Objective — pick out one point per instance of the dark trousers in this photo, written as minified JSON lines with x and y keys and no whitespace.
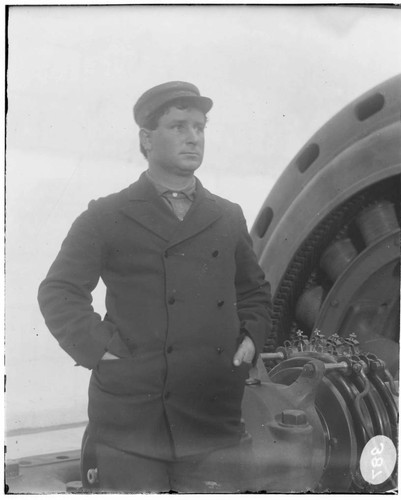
{"x":221,"y":471}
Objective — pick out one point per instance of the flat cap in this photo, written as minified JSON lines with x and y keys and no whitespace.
{"x":162,"y":94}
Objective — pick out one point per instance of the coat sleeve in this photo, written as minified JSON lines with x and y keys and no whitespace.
{"x":65,"y":297}
{"x":253,"y":292}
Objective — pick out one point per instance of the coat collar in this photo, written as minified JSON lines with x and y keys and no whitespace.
{"x":147,"y":208}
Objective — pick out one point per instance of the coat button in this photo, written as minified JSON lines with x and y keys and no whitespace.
{"x":169,"y":349}
{"x":215,"y":253}
{"x":220,"y":303}
{"x":171,"y":300}
{"x":219,"y":350}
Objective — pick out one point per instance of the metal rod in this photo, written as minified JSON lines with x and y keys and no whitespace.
{"x":343,"y":365}
{"x":272,"y":355}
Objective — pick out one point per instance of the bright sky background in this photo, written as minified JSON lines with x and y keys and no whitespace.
{"x":276,"y":75}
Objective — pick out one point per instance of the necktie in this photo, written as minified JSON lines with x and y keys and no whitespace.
{"x":179,"y":202}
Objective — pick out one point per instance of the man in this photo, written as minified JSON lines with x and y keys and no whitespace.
{"x":187,"y":312}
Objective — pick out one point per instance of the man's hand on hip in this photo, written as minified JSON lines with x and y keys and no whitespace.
{"x":245,"y":353}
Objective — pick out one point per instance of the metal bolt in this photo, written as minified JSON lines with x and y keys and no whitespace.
{"x":309,"y":370}
{"x":293,"y":417}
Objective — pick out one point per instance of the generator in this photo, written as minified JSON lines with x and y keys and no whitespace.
{"x":324,"y":414}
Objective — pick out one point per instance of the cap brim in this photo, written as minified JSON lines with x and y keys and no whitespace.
{"x":205,"y":104}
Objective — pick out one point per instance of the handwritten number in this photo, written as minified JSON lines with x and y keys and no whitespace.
{"x":376,"y":451}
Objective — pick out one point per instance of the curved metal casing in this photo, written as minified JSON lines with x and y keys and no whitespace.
{"x":358,"y":147}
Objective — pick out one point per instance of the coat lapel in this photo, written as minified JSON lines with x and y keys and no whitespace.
{"x":202,"y":214}
{"x":145,"y":206}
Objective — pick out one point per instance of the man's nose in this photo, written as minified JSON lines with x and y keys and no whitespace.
{"x":192,"y":135}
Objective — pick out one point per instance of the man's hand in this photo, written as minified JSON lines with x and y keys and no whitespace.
{"x":245,"y":353}
{"x":108,"y":355}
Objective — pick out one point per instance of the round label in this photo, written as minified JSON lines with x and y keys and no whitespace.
{"x":378,"y":459}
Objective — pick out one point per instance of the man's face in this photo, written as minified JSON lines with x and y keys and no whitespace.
{"x":177,"y":144}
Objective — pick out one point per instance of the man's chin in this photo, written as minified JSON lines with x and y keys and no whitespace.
{"x":190,"y":167}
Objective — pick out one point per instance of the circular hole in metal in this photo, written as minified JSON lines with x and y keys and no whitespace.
{"x":369,"y":107}
{"x":307,"y":157}
{"x":263,"y":221}
{"x":62,"y":457}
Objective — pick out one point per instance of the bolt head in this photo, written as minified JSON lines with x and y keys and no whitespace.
{"x":293,"y":417}
{"x":309,"y":370}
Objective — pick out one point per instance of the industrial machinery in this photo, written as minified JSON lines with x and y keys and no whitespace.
{"x":327,"y":235}
{"x":322,"y":404}
{"x":320,"y":417}
{"x":328,"y":239}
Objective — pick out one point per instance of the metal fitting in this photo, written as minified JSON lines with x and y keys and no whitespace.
{"x":272,"y":355}
{"x":357,"y":367}
{"x":335,"y":366}
{"x":293,"y":417}
{"x":309,"y":370}
{"x":92,"y":476}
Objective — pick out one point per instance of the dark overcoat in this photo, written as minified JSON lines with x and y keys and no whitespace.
{"x":180,"y":297}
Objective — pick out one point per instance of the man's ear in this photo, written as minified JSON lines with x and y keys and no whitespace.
{"x":145,"y":139}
